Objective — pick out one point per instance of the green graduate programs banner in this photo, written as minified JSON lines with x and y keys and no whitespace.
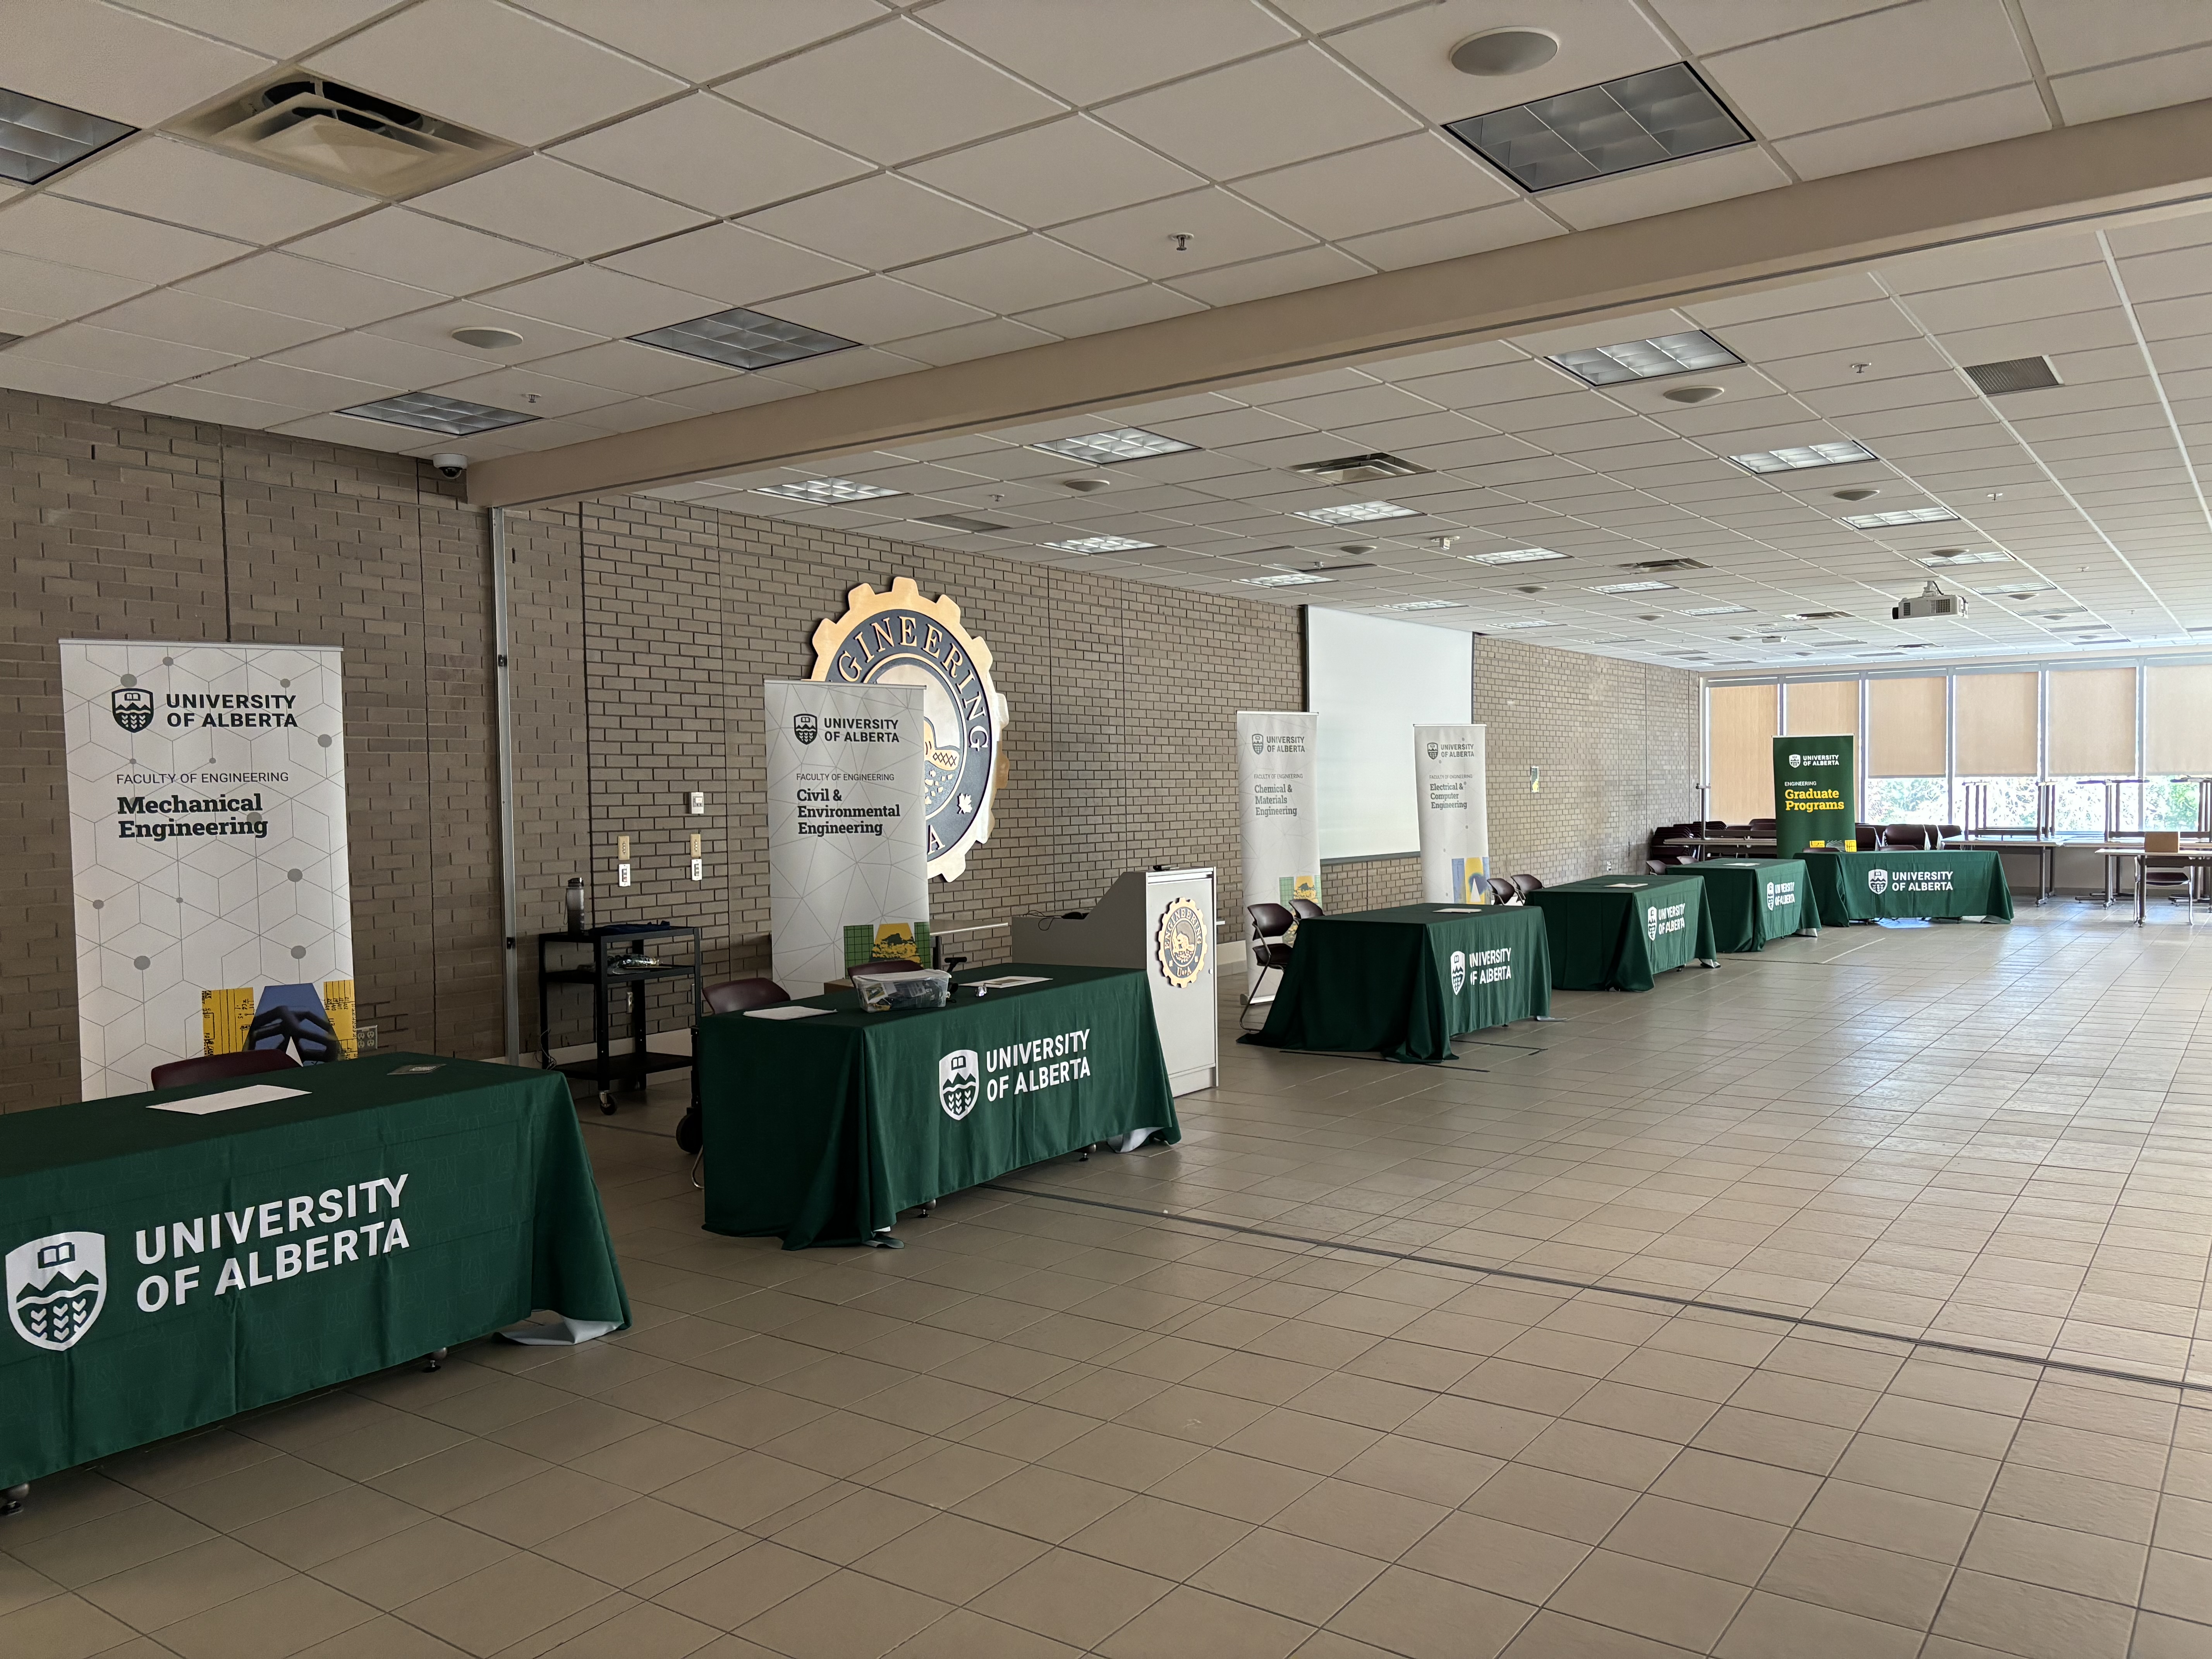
{"x":1815,"y":797}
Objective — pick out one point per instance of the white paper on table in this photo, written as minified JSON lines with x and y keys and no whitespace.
{"x":1461,"y":910}
{"x":254,"y":1094}
{"x":1008,"y":981}
{"x":1637,"y":885}
{"x":787,"y":1011}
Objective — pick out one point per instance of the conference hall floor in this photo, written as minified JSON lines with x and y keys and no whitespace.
{"x":1839,"y":1303}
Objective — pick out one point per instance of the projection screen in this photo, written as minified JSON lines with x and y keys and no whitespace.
{"x":1371,"y":680}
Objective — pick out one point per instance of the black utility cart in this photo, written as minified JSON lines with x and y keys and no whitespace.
{"x":609,"y":948}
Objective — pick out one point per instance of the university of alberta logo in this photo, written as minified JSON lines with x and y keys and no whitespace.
{"x":899,"y":638}
{"x":959,"y":1084}
{"x":1458,"y":971}
{"x":804,"y":728}
{"x":132,"y":706}
{"x":1259,"y":743}
{"x":1650,"y":922}
{"x":1877,"y":880}
{"x":1180,"y":943}
{"x":1796,"y":760}
{"x":55,"y":1288}
{"x":1432,"y":751}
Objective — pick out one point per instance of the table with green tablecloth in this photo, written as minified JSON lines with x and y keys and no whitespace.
{"x":1755,"y":900}
{"x":1877,"y":886}
{"x":1402,"y":981}
{"x":821,"y":1129}
{"x":1618,"y":930}
{"x":166,"y":1270}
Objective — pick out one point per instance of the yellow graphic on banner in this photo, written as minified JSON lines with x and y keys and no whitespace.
{"x":1301,"y":887}
{"x":227,"y":1015}
{"x":338,"y":1003}
{"x":224,"y":1017}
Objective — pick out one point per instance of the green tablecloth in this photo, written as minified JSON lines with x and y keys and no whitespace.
{"x":364,"y":1224}
{"x":1620,"y":930}
{"x":1873,"y":886}
{"x":1402,"y":981}
{"x":1754,"y":899}
{"x":822,"y":1129}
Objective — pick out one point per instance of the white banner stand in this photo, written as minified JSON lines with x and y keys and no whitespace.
{"x":1276,"y":798}
{"x":1452,"y":803}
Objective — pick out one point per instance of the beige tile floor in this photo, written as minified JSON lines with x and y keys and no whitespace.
{"x":1838,"y":1303}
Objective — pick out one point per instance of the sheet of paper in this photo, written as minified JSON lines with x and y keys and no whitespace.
{"x":412,"y":1071}
{"x":787,"y":1011}
{"x":1637,"y":885}
{"x":1008,"y":981}
{"x":1460,"y":910}
{"x":254,"y":1094}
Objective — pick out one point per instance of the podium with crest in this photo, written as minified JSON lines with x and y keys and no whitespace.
{"x":1162,"y":922}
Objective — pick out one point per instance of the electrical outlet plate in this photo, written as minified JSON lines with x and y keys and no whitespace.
{"x":622,"y":874}
{"x":698,"y":803}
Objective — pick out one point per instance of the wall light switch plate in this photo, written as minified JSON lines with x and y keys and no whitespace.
{"x":622,"y":873}
{"x":698,"y":802}
{"x":696,"y":847}
{"x":622,"y":849}
{"x":698,"y":869}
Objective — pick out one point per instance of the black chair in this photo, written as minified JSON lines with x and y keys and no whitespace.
{"x":1270,"y":922}
{"x":1502,"y":891}
{"x":1868,"y":835}
{"x":1307,"y":909}
{"x":1950,"y":833}
{"x":214,"y":1068}
{"x":732,"y":996}
{"x":1527,"y":885}
{"x":1915,"y":835}
{"x":1656,"y":867}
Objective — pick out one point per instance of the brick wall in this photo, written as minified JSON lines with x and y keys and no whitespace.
{"x":641,"y":631}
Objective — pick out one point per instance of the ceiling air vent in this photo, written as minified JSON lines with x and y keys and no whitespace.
{"x":2013,"y":374}
{"x":1358,"y":468}
{"x":320,"y":130}
{"x":1669,"y":564}
{"x":1819,"y":615}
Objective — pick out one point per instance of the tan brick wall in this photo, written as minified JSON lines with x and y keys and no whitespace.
{"x":641,"y":633}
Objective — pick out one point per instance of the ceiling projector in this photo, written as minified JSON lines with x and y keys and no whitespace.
{"x":1931,"y":601}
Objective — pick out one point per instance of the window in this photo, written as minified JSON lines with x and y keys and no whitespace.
{"x":2091,"y":747}
{"x":1907,"y":768}
{"x":1997,"y":725}
{"x":1741,"y":726}
{"x":2177,"y":743}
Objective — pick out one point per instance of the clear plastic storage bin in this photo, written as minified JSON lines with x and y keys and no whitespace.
{"x":924,"y":987}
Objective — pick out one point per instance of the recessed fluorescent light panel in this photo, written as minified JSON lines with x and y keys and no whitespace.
{"x":1100,"y":544}
{"x":1804,"y":455}
{"x":1637,"y":121}
{"x":1903,"y":515}
{"x":1719,"y":611}
{"x":1646,"y":359}
{"x":1427,"y":604}
{"x":39,"y":139}
{"x":1512,"y":555}
{"x":1126,"y":443}
{"x":739,"y":339}
{"x":1357,"y":512}
{"x":828,"y":491}
{"x":1288,"y":579}
{"x":1986,"y":557}
{"x":1632,"y":588}
{"x":1528,"y":624}
{"x":960,"y":521}
{"x":2017,"y":590}
{"x":427,"y":411}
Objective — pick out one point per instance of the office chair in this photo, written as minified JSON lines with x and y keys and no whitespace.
{"x":1269,"y":923}
{"x":213,"y":1068}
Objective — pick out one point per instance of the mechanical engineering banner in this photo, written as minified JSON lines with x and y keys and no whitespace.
{"x":848,"y":819}
{"x":1454,"y":808}
{"x":1815,"y":797}
{"x":208,"y":835}
{"x":1276,"y":791}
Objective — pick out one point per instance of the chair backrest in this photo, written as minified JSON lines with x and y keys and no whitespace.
{"x":1656,"y":867}
{"x":1715,"y":826}
{"x":2166,"y":871}
{"x":1868,"y":835}
{"x":213,"y":1068}
{"x":1502,"y":891}
{"x":1761,"y":826}
{"x":1950,"y":832}
{"x":1270,"y":920}
{"x":1905,"y":835}
{"x":2161,"y":841}
{"x":1527,"y":885}
{"x":734,"y":996}
{"x":1307,"y":909}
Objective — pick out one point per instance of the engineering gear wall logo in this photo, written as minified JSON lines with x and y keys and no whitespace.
{"x":899,"y":638}
{"x":57,"y":1286}
{"x":1180,"y":943}
{"x":959,"y":1085}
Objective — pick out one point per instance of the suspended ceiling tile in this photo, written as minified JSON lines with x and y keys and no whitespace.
{"x":302,"y":288}
{"x":76,"y":233}
{"x":1021,"y":274}
{"x":1124,"y":308}
{"x":91,"y":386}
{"x":2022,"y":299}
{"x":413,"y":247}
{"x":192,"y":403}
{"x":2175,"y":77}
{"x":297,"y":388}
{"x":1087,"y":53}
{"x":971,"y":340}
{"x":891,"y":93}
{"x":1410,"y":53}
{"x":1461,"y":233}
{"x":1921,"y":53}
{"x":551,"y":204}
{"x":171,"y":313}
{"x":526,"y":392}
{"x":2070,"y":37}
{"x":161,"y":177}
{"x":1283,"y":273}
{"x":625,"y":365}
{"x":372,"y":357}
{"x":1665,"y":188}
{"x":600,"y":300}
{"x":114,"y":63}
{"x":1398,"y":182}
{"x":732,"y":263}
{"x":880,"y":222}
{"x":134,"y":356}
{"x":493,"y":68}
{"x":1222,"y":229}
{"x":1961,"y":124}
{"x":1265,"y":112}
{"x":848,"y":368}
{"x":705,"y":41}
{"x":41,"y":288}
{"x":1065,"y":169}
{"x":1716,"y":25}
{"x":708,"y":153}
{"x":873,"y":309}
{"x":434,"y":328}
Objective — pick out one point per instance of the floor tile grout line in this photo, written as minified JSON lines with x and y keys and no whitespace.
{"x":1700,"y":1304}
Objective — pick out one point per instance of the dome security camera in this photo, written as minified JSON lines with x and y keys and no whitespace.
{"x":450,"y":466}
